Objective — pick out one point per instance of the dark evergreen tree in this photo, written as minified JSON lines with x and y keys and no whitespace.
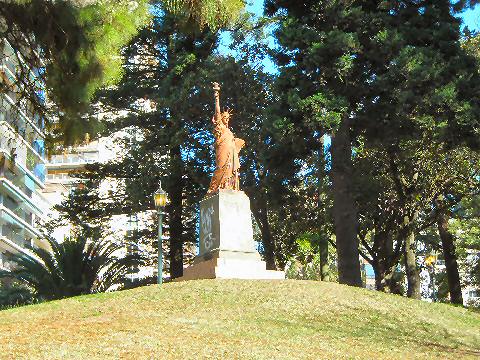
{"x":166,"y":101}
{"x":164,"y":121}
{"x":171,"y":139}
{"x":384,"y":70}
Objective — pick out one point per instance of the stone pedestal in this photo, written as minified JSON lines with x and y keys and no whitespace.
{"x":226,"y":246}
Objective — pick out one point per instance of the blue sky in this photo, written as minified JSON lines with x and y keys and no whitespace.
{"x":471,"y":18}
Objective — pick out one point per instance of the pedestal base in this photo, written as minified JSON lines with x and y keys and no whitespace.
{"x":226,"y":246}
{"x":230,"y":266}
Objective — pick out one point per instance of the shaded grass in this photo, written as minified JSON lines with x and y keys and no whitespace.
{"x":231,"y":319}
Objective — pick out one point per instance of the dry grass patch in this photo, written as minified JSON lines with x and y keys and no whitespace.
{"x":235,"y":319}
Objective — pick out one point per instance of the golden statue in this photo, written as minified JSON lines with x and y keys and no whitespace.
{"x":227,"y":148}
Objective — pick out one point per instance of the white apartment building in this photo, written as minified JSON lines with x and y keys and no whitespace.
{"x":22,"y":163}
{"x":61,"y":180}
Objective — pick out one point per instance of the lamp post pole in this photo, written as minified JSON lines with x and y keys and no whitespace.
{"x":160,"y":199}
{"x":160,"y":247}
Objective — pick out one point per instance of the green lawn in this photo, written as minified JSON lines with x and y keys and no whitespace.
{"x":235,"y":319}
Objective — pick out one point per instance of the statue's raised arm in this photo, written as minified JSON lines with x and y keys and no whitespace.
{"x":216,"y":94}
{"x":227,"y":147}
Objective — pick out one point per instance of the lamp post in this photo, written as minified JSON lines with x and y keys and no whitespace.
{"x":160,"y":198}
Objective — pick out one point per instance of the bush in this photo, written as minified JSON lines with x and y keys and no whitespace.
{"x":15,"y":295}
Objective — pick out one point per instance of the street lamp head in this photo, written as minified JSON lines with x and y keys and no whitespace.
{"x":430,"y":260}
{"x":160,"y":197}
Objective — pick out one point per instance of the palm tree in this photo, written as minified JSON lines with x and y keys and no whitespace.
{"x":82,"y":264}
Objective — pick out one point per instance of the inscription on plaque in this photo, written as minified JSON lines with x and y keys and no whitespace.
{"x":207,"y":232}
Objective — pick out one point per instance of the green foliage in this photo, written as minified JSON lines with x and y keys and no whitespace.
{"x":12,"y":295}
{"x":165,"y":101}
{"x":202,"y":13}
{"x":466,"y":224}
{"x":82,"y":264}
{"x":472,"y":45}
{"x":364,"y":67}
{"x":307,"y":263}
{"x":171,"y":139}
{"x":411,"y":185}
{"x":79,"y":46}
{"x":315,"y":107}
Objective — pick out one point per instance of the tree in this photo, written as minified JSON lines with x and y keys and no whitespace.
{"x":73,"y":48}
{"x":165,"y":102}
{"x":168,"y":104}
{"x":450,"y":256}
{"x":417,"y":185}
{"x":380,"y":216}
{"x":352,"y":68}
{"x":465,"y":226}
{"x":198,"y":14}
{"x":438,"y":178}
{"x":247,"y":90}
{"x":79,"y":265}
{"x":442,"y":176}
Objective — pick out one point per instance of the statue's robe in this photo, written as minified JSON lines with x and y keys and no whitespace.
{"x":227,"y":147}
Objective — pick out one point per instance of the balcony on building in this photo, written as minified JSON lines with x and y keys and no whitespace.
{"x":22,"y":159}
{"x":62,"y":167}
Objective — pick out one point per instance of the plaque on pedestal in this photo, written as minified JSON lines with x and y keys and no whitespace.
{"x":226,"y":224}
{"x":226,"y":246}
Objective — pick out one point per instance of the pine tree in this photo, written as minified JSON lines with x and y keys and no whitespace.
{"x":166,"y":101}
{"x":72,"y":49}
{"x":151,"y":135}
{"x":384,"y":70}
{"x":74,"y":46}
{"x":163,"y":95}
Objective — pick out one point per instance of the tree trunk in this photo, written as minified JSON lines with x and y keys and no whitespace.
{"x":384,"y":279}
{"x":411,"y":269}
{"x":406,"y":194}
{"x":383,"y":276}
{"x":394,"y":285}
{"x":385,"y":261}
{"x":175,"y":212}
{"x":175,"y":182}
{"x":324,"y":270}
{"x":379,"y":268}
{"x":379,"y":259}
{"x":344,"y":209}
{"x":448,"y":246}
{"x":259,"y":209}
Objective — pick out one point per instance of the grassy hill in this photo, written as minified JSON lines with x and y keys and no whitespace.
{"x":232,"y":319}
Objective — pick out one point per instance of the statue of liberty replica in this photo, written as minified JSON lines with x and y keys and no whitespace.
{"x":227,"y":147}
{"x":226,"y":246}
